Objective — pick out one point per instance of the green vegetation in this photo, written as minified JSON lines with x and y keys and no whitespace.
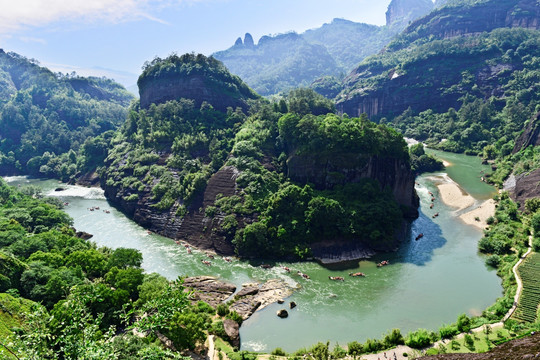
{"x":422,"y":162}
{"x":530,"y":297}
{"x":84,"y":298}
{"x":47,"y":120}
{"x":169,"y":151}
{"x":215,"y":74}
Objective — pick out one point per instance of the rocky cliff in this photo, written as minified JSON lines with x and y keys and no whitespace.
{"x":525,"y":186}
{"x":326,"y":172}
{"x":194,"y":228}
{"x":440,"y":58}
{"x":458,"y":19}
{"x":404,"y":11}
{"x":530,"y":136}
{"x":193,"y":77}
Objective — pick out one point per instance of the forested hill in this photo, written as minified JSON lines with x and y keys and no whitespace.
{"x":462,"y":78}
{"x":287,"y":61}
{"x":268,"y":184}
{"x":45,"y":118}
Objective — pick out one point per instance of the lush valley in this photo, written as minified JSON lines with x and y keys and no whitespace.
{"x":204,"y":159}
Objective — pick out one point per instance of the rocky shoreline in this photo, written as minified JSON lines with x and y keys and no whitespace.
{"x":250,"y":298}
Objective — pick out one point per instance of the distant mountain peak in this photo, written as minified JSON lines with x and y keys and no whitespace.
{"x":248,"y":40}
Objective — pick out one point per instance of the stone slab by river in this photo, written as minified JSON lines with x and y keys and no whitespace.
{"x":429,"y":282}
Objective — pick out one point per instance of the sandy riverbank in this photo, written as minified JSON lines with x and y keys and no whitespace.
{"x":452,"y":195}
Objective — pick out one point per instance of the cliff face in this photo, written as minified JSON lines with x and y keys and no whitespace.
{"x":189,"y":87}
{"x":525,"y":186}
{"x":530,"y":136}
{"x":325,"y":172}
{"x":404,"y":11}
{"x":194,"y":228}
{"x":458,"y":20}
{"x":419,"y":72}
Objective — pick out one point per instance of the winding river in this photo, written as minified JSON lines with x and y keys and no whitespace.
{"x":429,"y":282}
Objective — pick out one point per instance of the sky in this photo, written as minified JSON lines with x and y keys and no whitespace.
{"x":114,"y":38}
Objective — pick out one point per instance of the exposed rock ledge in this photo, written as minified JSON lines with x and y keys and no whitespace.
{"x":336,"y":252}
{"x":250,"y":298}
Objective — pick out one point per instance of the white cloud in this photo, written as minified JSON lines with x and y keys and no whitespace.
{"x":17,"y":14}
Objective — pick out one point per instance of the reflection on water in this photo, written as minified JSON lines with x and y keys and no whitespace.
{"x":429,"y":282}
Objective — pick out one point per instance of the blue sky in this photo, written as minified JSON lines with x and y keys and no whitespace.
{"x":114,"y":38}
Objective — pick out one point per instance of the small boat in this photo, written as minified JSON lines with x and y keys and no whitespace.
{"x":421,"y":235}
{"x":337,"y":278}
{"x":432,"y":199}
{"x":148,"y":232}
{"x":227,"y":259}
{"x":107,"y":212}
{"x":286,"y":269}
{"x":210,"y":256}
{"x":430,"y":193}
{"x":97,"y":208}
{"x":431,"y":206}
{"x":188,"y":250}
{"x":266,"y":266}
{"x":205,"y":262}
{"x":435,"y":215}
{"x":305,"y":276}
{"x":357,"y":274}
{"x":383,"y":263}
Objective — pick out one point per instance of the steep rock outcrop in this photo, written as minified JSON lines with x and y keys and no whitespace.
{"x":325,"y":172}
{"x":194,"y":227}
{"x":194,"y":77}
{"x":458,"y":19}
{"x":530,"y":136}
{"x":403,"y":11}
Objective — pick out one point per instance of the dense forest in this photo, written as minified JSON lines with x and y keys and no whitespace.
{"x":167,"y":153}
{"x":48,"y":121}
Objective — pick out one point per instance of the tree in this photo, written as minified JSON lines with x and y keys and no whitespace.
{"x":463,"y":323}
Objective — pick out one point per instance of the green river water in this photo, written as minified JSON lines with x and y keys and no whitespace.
{"x":429,"y":282}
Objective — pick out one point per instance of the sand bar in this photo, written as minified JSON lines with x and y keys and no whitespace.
{"x":452,"y":195}
{"x":482,"y":212}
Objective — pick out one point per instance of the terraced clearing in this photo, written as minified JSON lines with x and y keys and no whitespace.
{"x":529,"y":273}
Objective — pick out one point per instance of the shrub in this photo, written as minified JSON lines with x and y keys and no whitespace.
{"x":448,"y":331}
{"x":278,"y":352}
{"x":233,"y":315}
{"x":418,"y":339}
{"x":464,"y":323}
{"x":493,"y":260}
{"x":222,"y":309}
{"x":394,"y":338}
{"x":355,"y":348}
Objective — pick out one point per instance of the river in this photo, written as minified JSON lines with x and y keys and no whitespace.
{"x":429,"y":282}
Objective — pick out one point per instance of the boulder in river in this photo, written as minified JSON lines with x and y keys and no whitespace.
{"x":282,"y":313}
{"x":292,"y":305}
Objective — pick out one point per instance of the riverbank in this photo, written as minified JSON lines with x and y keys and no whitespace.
{"x":453,"y":195}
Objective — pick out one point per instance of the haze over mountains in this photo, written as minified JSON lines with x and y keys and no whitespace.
{"x":286,"y":61}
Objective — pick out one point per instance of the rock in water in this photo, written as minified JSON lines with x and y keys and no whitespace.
{"x":282,"y":313}
{"x":292,"y":305}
